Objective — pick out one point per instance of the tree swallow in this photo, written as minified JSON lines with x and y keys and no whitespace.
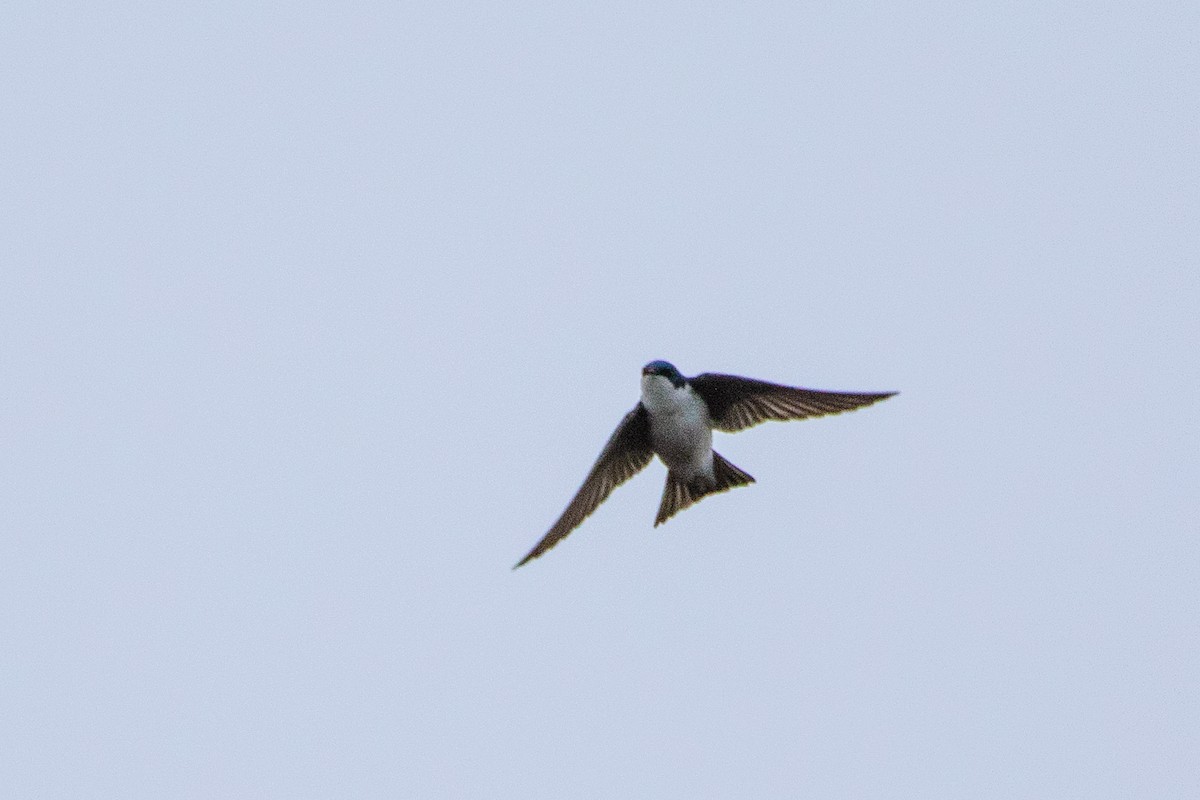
{"x":675,"y":420}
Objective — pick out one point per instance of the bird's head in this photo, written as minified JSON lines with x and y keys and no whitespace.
{"x":666,"y":370}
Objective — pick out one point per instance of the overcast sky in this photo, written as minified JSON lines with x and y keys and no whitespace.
{"x":314,"y":316}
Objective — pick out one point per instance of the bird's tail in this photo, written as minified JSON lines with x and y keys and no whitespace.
{"x":679,"y":494}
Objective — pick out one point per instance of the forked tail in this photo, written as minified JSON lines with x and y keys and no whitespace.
{"x":678,"y":495}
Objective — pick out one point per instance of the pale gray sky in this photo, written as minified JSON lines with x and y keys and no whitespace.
{"x":313,"y":317}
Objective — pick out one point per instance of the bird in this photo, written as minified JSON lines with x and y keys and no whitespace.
{"x":674,"y":420}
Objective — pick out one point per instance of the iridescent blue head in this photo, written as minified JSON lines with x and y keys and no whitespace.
{"x":667,"y":370}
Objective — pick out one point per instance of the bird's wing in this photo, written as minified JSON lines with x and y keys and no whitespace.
{"x":738,"y":403}
{"x":627,"y":452}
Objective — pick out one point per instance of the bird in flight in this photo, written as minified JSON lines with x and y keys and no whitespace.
{"x":675,"y":420}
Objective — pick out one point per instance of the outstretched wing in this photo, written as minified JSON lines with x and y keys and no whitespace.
{"x":627,"y":452}
{"x":736,"y":403}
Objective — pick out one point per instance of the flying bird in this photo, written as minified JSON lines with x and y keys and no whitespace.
{"x":675,"y":420}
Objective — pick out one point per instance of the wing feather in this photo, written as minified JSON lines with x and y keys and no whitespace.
{"x":628,"y":451}
{"x":737,"y":403}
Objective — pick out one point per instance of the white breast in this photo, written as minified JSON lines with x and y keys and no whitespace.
{"x":679,"y":426}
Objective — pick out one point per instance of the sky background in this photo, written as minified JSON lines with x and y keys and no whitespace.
{"x":314,"y":316}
